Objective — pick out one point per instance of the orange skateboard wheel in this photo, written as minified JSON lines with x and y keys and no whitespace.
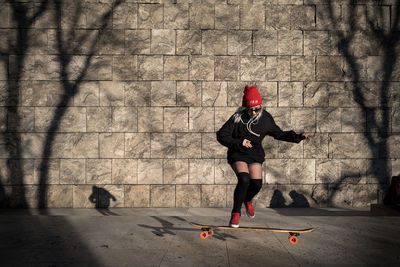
{"x":210,"y":232}
{"x":203,"y":235}
{"x":293,"y":239}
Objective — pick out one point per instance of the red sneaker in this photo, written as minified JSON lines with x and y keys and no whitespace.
{"x":234,"y":222}
{"x":249,"y":209}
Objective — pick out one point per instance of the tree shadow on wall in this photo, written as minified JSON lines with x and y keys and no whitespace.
{"x":346,"y":27}
{"x":67,"y":44}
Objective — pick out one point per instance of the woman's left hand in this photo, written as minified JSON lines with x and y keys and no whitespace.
{"x":305,"y":136}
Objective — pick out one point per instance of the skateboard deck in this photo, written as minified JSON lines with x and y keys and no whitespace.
{"x":207,"y":230}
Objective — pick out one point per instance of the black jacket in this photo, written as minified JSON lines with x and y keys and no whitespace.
{"x":232,"y":134}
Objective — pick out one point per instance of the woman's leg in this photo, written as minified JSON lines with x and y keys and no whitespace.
{"x":242,"y":172}
{"x":255,"y":171}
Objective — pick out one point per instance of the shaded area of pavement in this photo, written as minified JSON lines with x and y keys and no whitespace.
{"x":164,"y":237}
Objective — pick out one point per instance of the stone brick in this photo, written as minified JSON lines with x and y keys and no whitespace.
{"x":162,"y":196}
{"x":341,"y":95}
{"x":287,"y":150}
{"x":252,"y":68}
{"x":201,"y":171}
{"x":224,"y":173}
{"x":46,"y":68}
{"x":125,"y":16}
{"x":290,"y":94}
{"x":176,"y":171}
{"x":240,"y":43}
{"x":163,"y":93}
{"x":214,"y":42}
{"x":327,"y":171}
{"x":278,"y":68}
{"x":52,"y":171}
{"x":188,"y":145}
{"x":201,"y":119}
{"x":210,"y":147}
{"x":41,"y":93}
{"x":395,"y":119}
{"x":72,"y":171}
{"x":235,"y":93}
{"x":98,"y":119}
{"x":252,"y":17}
{"x":226,"y":68}
{"x":341,"y":195}
{"x":137,"y":196}
{"x":124,"y":171}
{"x":176,"y":16}
{"x":150,"y":67}
{"x":88,"y":95}
{"x":98,"y":171}
{"x":214,"y":94}
{"x":271,"y":147}
{"x":350,"y":145}
{"x":74,"y":119}
{"x":3,"y":120}
{"x":201,"y":16}
{"x":125,"y":68}
{"x":150,"y":171}
{"x":137,"y":42}
{"x":329,"y":120}
{"x":277,"y":17}
{"x":163,"y":145}
{"x":393,"y":152}
{"x":27,"y":71}
{"x":112,"y":42}
{"x":112,"y":93}
{"x":290,"y":42}
{"x":176,"y":68}
{"x":100,"y":69}
{"x":269,"y":93}
{"x":302,"y":17}
{"x":222,"y":114}
{"x":24,"y":119}
{"x":303,"y":119}
{"x":276,"y":171}
{"x":188,"y":196}
{"x":188,"y":93}
{"x":353,"y":120}
{"x":137,"y":145}
{"x":329,"y":68}
{"x":302,"y":171}
{"x":316,"y":94}
{"x":162,"y":42}
{"x":124,"y":119}
{"x":176,"y":119}
{"x":151,"y":119}
{"x":213,"y":196}
{"x":317,"y":43}
{"x":302,"y":68}
{"x":316,"y":147}
{"x":188,"y":42}
{"x":112,"y":145}
{"x":137,"y":94}
{"x":150,"y":16}
{"x":201,"y":68}
{"x":81,"y":194}
{"x":59,"y":196}
{"x":265,"y":42}
{"x":226,"y":16}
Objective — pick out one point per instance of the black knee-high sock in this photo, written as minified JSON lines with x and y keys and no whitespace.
{"x":254,"y":188}
{"x":240,"y":191}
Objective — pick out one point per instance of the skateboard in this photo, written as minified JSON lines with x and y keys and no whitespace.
{"x":207,"y":230}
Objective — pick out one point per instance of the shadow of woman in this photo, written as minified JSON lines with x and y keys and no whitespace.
{"x":298,"y":200}
{"x":102,"y":199}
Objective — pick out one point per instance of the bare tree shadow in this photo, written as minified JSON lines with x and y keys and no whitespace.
{"x":345,"y":27}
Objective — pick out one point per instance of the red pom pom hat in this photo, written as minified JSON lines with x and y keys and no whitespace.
{"x":251,"y":97}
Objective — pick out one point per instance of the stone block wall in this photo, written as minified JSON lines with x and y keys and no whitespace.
{"x":108,"y":103}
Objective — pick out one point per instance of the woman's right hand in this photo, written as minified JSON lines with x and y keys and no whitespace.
{"x":247,"y":143}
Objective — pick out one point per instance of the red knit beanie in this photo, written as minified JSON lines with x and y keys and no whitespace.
{"x":251,"y":97}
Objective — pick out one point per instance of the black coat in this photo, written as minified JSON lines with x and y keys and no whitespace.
{"x":232,"y":135}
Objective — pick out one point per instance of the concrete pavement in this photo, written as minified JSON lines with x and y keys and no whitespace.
{"x":164,"y":237}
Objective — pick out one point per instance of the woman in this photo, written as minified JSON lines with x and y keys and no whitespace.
{"x":243,"y":134}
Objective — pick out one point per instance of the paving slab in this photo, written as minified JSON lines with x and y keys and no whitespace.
{"x":164,"y":237}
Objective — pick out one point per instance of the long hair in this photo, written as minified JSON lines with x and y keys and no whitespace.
{"x":239,"y":112}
